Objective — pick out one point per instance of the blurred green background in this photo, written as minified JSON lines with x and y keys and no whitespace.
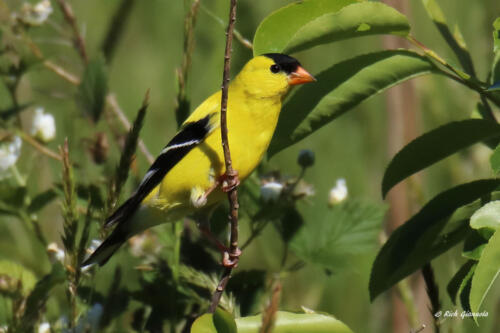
{"x":353,"y":147}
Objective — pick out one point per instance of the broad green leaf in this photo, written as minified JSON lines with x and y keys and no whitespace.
{"x":93,"y":89}
{"x":270,"y":35}
{"x":347,"y":229}
{"x":435,"y":145}
{"x":474,"y":245}
{"x":437,"y":227}
{"x":487,"y":216}
{"x":457,"y":45}
{"x":288,"y":322}
{"x":486,"y":272}
{"x":356,"y":20}
{"x":219,"y":322}
{"x":340,"y":88}
{"x":456,"y":281}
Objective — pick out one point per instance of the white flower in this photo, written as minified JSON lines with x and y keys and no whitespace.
{"x":44,"y":328}
{"x":338,"y":193}
{"x":44,"y":126}
{"x":55,"y":253}
{"x":9,"y":153}
{"x":37,"y":14}
{"x":270,"y":192}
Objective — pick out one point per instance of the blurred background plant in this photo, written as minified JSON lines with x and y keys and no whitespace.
{"x":311,"y":215}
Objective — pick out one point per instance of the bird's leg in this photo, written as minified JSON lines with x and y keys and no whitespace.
{"x":229,"y":181}
{"x":228,"y":259}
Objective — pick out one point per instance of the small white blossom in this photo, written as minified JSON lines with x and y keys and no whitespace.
{"x":37,"y":14}
{"x":44,"y":328}
{"x":55,"y":253}
{"x":44,"y":126}
{"x":9,"y":153}
{"x":338,"y":193}
{"x":270,"y":192}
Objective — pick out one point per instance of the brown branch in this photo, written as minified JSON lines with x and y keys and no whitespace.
{"x":230,"y":172}
{"x":70,"y":18}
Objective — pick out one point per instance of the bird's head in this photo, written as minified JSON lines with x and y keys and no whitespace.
{"x":272,"y":74}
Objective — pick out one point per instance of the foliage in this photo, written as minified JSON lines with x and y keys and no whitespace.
{"x":165,"y":276}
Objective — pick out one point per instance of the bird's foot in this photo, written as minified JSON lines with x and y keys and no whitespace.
{"x":230,"y":181}
{"x":230,"y":260}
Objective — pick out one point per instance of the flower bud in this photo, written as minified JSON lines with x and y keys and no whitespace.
{"x":271,"y":191}
{"x":55,"y":253}
{"x":44,"y":328}
{"x":44,"y":126}
{"x":9,"y":153}
{"x":306,"y":158}
{"x":37,"y":14}
{"x":338,"y":193}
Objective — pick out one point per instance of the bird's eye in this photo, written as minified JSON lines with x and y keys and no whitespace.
{"x":275,"y":68}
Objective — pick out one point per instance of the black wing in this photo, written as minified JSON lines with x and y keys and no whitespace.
{"x":190,"y":135}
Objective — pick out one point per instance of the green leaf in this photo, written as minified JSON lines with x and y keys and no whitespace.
{"x":457,"y":45}
{"x":474,"y":245}
{"x":93,"y":89}
{"x":41,"y":200}
{"x":434,"y":146}
{"x":288,"y":322}
{"x":456,"y":281}
{"x":429,"y":233}
{"x":465,"y":288}
{"x":487,"y":216}
{"x":356,"y":20}
{"x":486,"y":272}
{"x":340,"y":88}
{"x":314,"y":22}
{"x":270,"y":35}
{"x":347,"y":229}
{"x":219,"y":322}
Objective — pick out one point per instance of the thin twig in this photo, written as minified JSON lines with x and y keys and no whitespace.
{"x":231,"y":174}
{"x":111,"y":99}
{"x":239,"y":37}
{"x":70,"y":18}
{"x":71,"y":78}
{"x":42,"y":149}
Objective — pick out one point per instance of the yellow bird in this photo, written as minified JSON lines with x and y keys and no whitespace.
{"x":188,"y":176}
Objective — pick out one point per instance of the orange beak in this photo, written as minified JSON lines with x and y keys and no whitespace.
{"x":300,"y":76}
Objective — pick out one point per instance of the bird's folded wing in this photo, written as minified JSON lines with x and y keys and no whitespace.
{"x":189,"y":136}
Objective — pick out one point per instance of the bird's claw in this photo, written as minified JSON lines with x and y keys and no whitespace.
{"x":230,"y":260}
{"x":230,"y":181}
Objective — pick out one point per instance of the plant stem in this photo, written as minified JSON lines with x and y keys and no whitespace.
{"x":42,"y":149}
{"x":70,"y":18}
{"x":233,"y":193}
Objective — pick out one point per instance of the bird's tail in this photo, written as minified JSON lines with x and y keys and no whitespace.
{"x":102,"y":254}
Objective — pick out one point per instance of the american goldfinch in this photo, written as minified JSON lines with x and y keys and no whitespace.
{"x":186,"y":178}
